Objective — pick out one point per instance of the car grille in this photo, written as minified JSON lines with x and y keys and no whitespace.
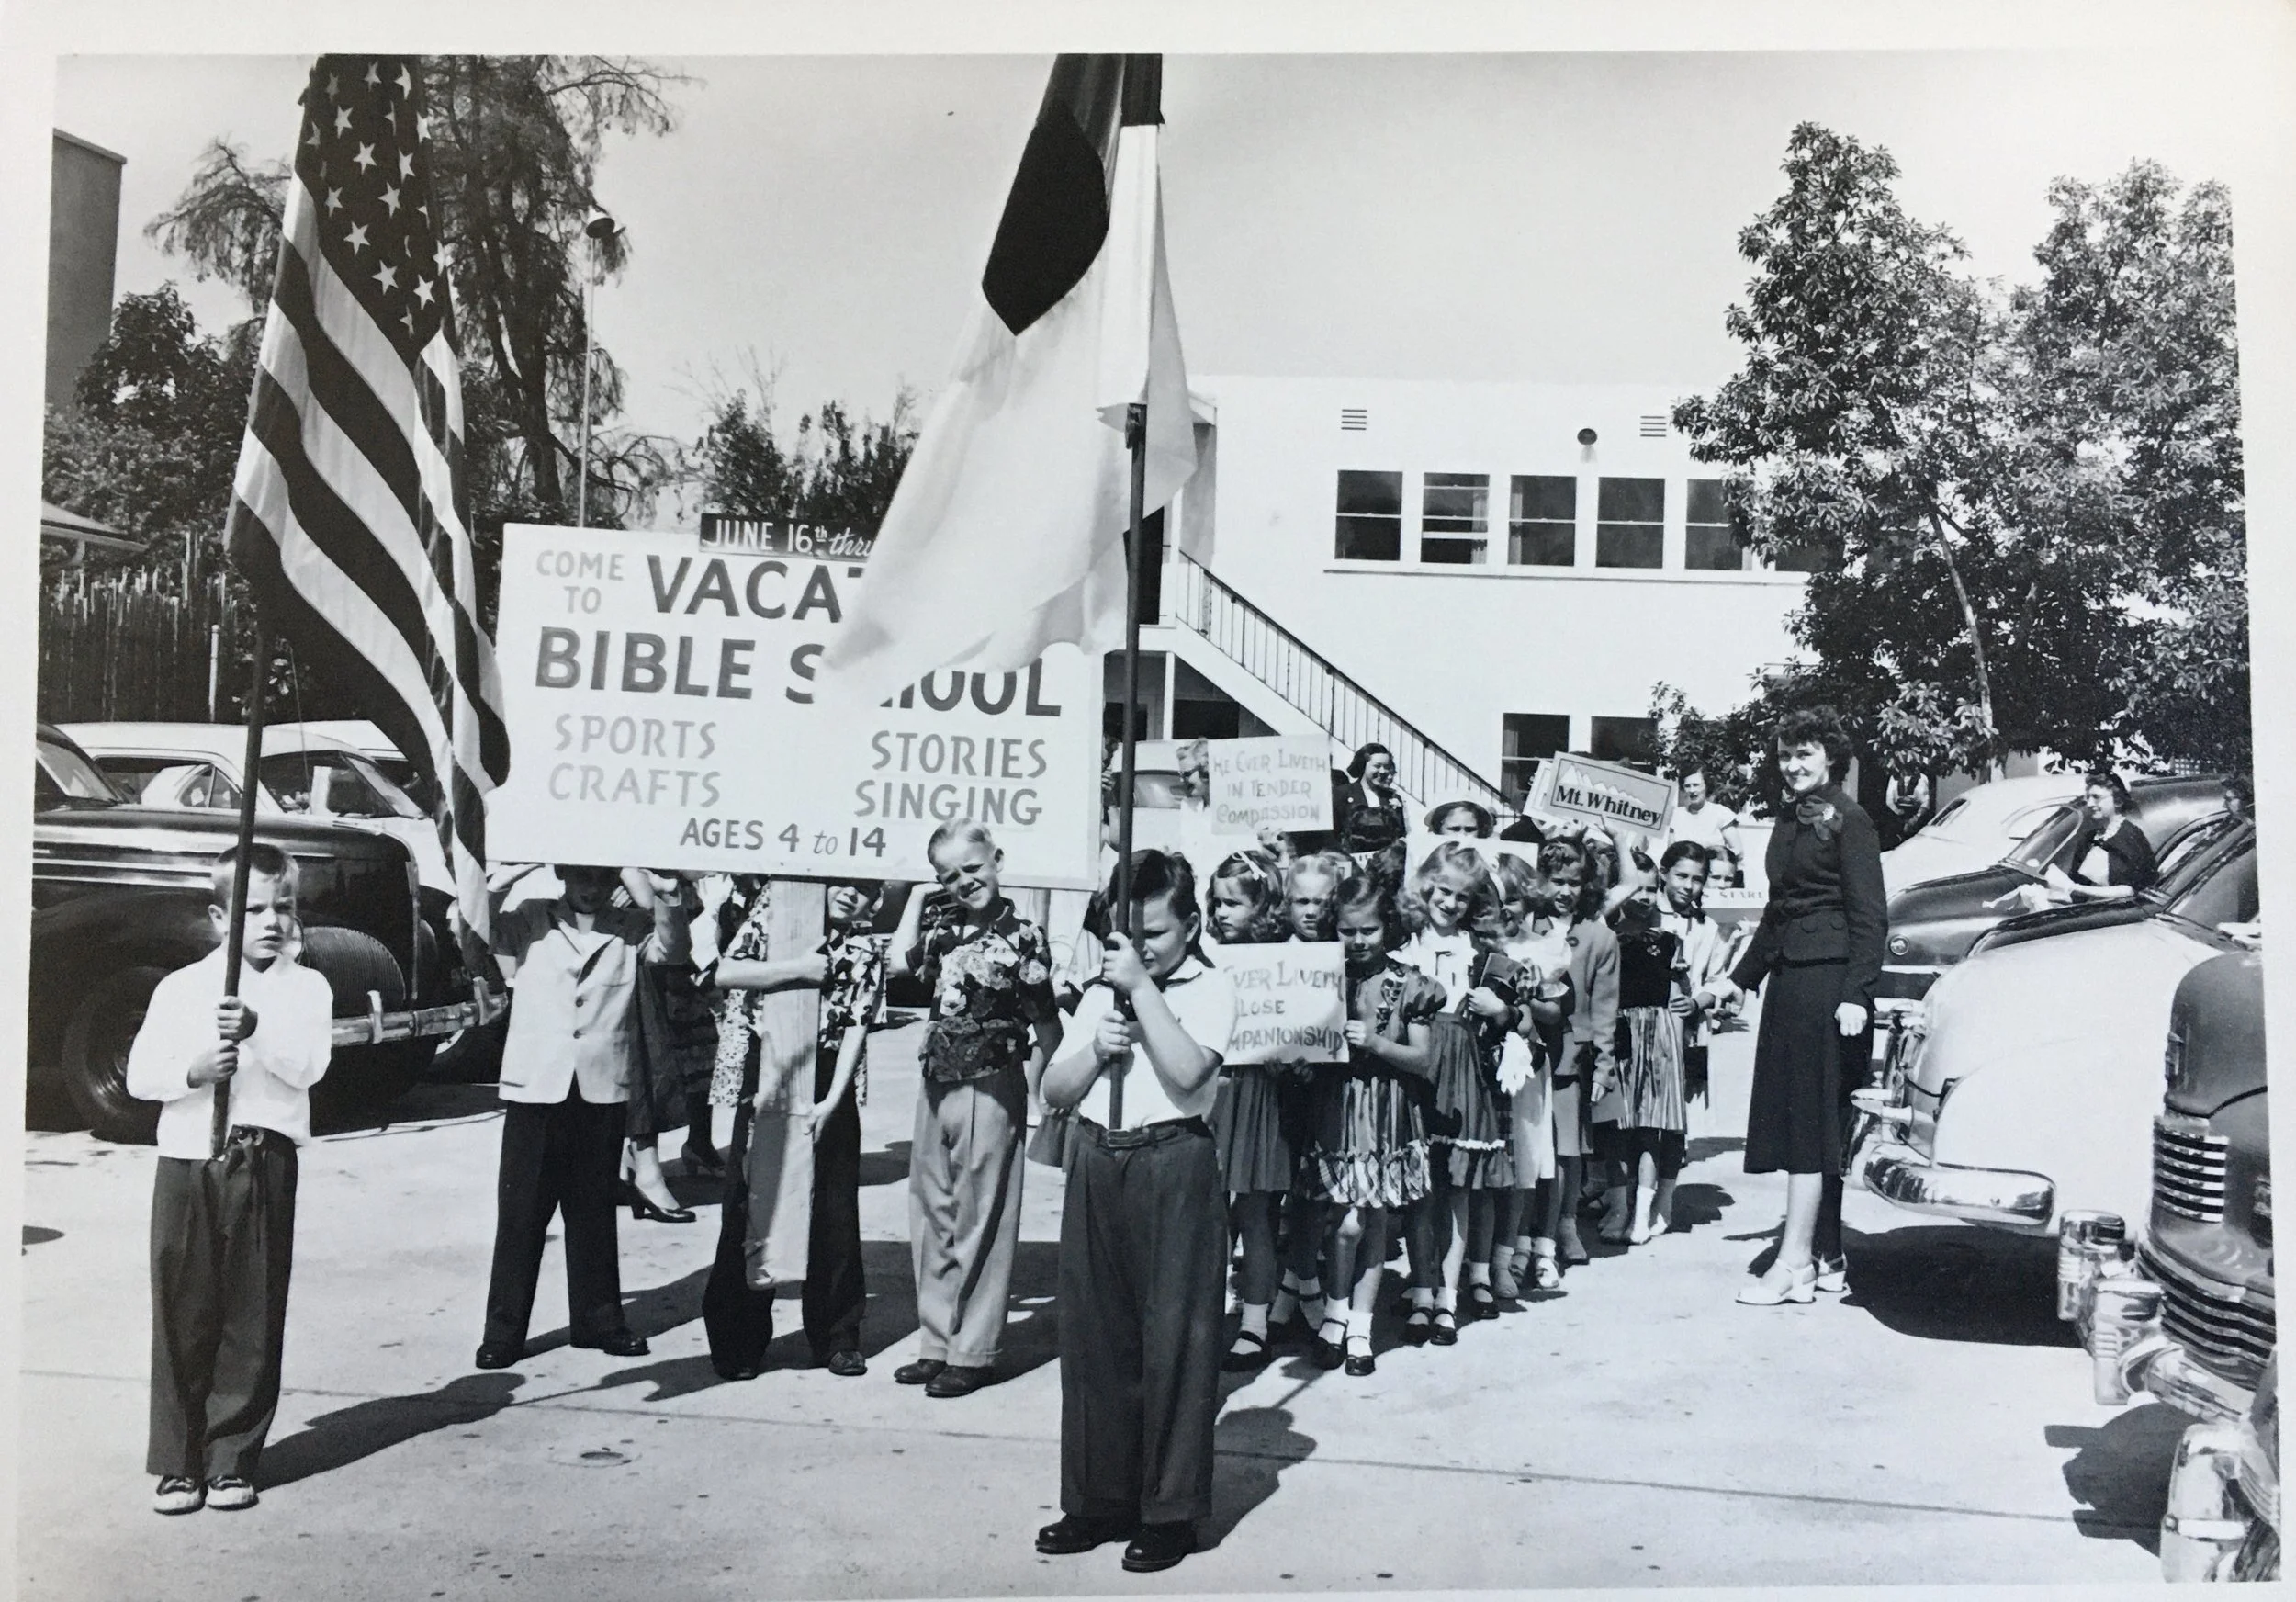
{"x":2224,"y":1332}
{"x":2188,"y":1167}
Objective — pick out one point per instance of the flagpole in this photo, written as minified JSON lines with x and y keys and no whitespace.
{"x":234,"y":938}
{"x":1136,"y":440}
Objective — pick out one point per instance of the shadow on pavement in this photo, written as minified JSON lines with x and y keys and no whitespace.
{"x":334,"y":1440}
{"x":424,"y":1103}
{"x":1947,"y":1282}
{"x":1696,"y":1205}
{"x":1031,"y":1336}
{"x":649,"y":1313}
{"x":1704,"y":1146}
{"x":2121,"y":1473}
{"x":889,"y":1166}
{"x":1252,"y":1447}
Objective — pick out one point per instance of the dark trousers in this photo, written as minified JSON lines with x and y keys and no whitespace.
{"x":222,"y":1244}
{"x":737,"y":1320}
{"x":1144,"y":1261}
{"x":562,"y":1157}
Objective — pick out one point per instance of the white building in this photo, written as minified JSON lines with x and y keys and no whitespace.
{"x":1476,"y":574}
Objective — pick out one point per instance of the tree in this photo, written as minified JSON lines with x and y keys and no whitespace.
{"x":1972,"y":595}
{"x":151,"y":439}
{"x":517,"y":141}
{"x":2132,"y":334}
{"x":837,"y":474}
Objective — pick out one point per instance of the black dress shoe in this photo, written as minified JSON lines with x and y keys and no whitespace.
{"x":620,"y":1344}
{"x":1445,"y":1331}
{"x":647,"y":1212}
{"x":846,"y":1363}
{"x":734,"y":1371}
{"x":1361,"y":1365}
{"x":498,"y":1357}
{"x":1074,"y":1534}
{"x":923,"y":1372}
{"x":955,"y":1382}
{"x":702,"y":1159}
{"x":1159,"y":1546}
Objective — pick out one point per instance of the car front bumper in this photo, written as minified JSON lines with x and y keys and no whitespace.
{"x":380,"y":1027}
{"x":1904,"y":1177}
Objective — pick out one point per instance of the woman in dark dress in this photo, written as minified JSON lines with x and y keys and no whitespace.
{"x":1820,"y":947}
{"x":2115,"y":859}
{"x":1369,"y":813}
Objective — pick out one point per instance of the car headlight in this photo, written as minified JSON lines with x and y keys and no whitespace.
{"x":1899,"y":945}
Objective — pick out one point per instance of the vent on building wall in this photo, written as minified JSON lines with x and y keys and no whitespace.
{"x":1354,"y":419}
{"x":1654,"y":425}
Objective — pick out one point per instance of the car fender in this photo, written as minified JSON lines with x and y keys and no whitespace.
{"x":2054,"y":1054}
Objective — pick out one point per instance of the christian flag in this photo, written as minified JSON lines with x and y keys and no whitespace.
{"x":1006,"y":532}
{"x":346,"y":515}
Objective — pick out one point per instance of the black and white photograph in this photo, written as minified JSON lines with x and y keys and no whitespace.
{"x":1307,"y":808}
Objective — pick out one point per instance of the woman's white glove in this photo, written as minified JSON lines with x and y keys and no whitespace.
{"x":1850,"y":1018}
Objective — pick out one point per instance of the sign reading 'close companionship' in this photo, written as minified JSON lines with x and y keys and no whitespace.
{"x":661,"y":702}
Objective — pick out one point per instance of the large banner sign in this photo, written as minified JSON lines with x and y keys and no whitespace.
{"x":660,"y":710}
{"x":1604,"y":793}
{"x":1291,"y":1001}
{"x":1271,"y":780}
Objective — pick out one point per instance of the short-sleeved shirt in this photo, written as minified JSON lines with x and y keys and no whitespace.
{"x":990,"y":985}
{"x":1391,"y":999}
{"x":1703,"y":826}
{"x":1202,"y":999}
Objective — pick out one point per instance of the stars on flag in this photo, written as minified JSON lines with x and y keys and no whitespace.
{"x":366,"y":159}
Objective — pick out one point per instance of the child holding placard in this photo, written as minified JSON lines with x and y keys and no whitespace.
{"x":1255,"y":1114}
{"x":1311,"y":887}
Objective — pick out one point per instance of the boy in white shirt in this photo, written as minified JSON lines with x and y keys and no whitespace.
{"x":1143,"y":1233}
{"x":223,"y":1229}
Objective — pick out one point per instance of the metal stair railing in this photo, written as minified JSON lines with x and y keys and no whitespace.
{"x":1294,"y":670}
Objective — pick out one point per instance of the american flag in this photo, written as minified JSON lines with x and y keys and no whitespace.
{"x":347,"y":511}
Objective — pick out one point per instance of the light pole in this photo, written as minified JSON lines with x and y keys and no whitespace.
{"x":598,"y":230}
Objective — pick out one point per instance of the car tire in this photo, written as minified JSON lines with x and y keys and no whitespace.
{"x":95,"y":1042}
{"x":362,"y":1080}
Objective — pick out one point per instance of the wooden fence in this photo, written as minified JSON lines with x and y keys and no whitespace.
{"x":129,"y":644}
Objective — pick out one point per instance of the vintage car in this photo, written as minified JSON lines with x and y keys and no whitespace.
{"x":306,"y":773}
{"x":2023,"y":1084}
{"x":119,"y":899}
{"x":1932,"y":925}
{"x":1977,"y":827}
{"x":2186,"y":1313}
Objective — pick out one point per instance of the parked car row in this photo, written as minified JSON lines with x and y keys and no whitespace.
{"x":119,"y":899}
{"x":2023,"y":1090}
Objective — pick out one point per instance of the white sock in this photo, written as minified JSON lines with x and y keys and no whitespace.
{"x":1478,"y":1273}
{"x":1447,"y":1300}
{"x":1422,"y":1298}
{"x":1256,"y":1319}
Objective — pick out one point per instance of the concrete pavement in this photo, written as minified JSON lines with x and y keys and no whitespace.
{"x":1636,"y":1428}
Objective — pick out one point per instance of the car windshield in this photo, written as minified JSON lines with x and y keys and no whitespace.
{"x":62,"y":777}
{"x":1954,"y":808}
{"x":2035,"y":853}
{"x":333,"y":784}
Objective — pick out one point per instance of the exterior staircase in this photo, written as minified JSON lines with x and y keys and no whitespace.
{"x":1257,"y":661}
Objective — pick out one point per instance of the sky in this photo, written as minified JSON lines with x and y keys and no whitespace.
{"x":1558,"y":218}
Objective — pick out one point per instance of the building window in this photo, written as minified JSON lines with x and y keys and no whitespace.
{"x":1708,"y":544}
{"x":1630,"y":527}
{"x":1370,"y":517}
{"x":1454,"y":516}
{"x":1626,"y":739}
{"x":1525,"y":739}
{"x":1543,"y":522}
{"x":1798,"y":559}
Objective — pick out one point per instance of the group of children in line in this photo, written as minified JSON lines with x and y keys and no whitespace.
{"x":1509,"y":1017}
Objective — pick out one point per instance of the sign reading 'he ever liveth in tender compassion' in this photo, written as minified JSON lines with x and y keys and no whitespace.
{"x":659,"y":697}
{"x":1270,"y":781}
{"x":1291,"y":1002}
{"x":1604,"y":793}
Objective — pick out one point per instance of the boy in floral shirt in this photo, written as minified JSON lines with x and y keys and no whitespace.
{"x":994,"y":1025}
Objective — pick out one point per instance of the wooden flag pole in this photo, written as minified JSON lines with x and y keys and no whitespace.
{"x":1121,"y":915}
{"x":235,"y":935}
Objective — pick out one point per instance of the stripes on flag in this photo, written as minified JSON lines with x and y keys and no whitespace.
{"x":347,"y":506}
